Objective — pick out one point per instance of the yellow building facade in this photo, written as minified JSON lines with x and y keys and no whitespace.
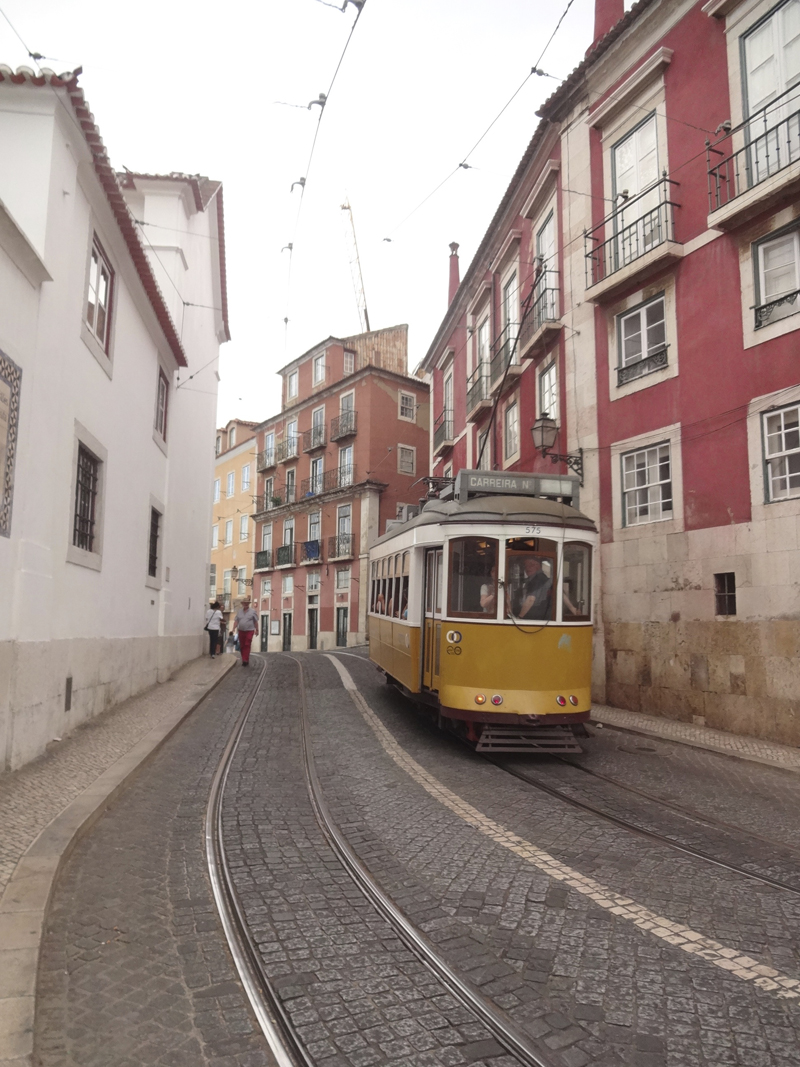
{"x":232,"y":527}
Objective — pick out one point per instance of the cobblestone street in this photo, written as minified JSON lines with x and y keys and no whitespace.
{"x":603,"y":947}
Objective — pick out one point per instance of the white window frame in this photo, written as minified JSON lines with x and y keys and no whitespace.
{"x":288,"y":528}
{"x":99,"y":264}
{"x":227,"y":580}
{"x":412,"y":404}
{"x":351,"y":393}
{"x":781,"y":456}
{"x":348,"y":361}
{"x":672,"y":435}
{"x":653,"y":457}
{"x":548,"y":390}
{"x":287,"y":584}
{"x":342,"y":579}
{"x":162,"y":405}
{"x":241,"y":579}
{"x":244,"y":527}
{"x":511,"y":454}
{"x":266,"y":537}
{"x":232,"y":437}
{"x":315,"y":519}
{"x":291,"y":385}
{"x":230,"y":484}
{"x":269,"y":445}
{"x":312,"y":582}
{"x":266,"y":587}
{"x":216,"y":490}
{"x":793,"y":236}
{"x":640,"y":312}
{"x":83,"y":557}
{"x":316,"y":470}
{"x":215,"y":536}
{"x":318,"y":370}
{"x":155,"y":581}
{"x":245,"y":477}
{"x":229,"y":531}
{"x":486,"y":462}
{"x":345,"y":463}
{"x":413,"y":458}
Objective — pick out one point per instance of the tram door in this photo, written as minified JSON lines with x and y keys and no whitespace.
{"x":432,"y":631}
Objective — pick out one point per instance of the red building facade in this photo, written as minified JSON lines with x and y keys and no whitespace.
{"x":341,"y":459}
{"x":673,"y":158}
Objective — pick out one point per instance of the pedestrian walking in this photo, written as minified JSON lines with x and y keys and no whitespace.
{"x":246,"y":624}
{"x":213,"y":623}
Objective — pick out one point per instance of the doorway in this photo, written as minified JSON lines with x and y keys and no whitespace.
{"x":313,"y":627}
{"x":287,"y":631}
{"x":341,"y":627}
{"x":432,"y":629}
{"x":264,"y":632}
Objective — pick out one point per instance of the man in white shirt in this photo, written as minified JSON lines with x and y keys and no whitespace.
{"x":246,"y":623}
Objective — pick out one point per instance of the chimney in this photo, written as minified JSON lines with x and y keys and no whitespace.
{"x":455,"y":279}
{"x":607,"y":14}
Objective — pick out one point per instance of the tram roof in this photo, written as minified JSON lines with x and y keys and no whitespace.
{"x":495,"y":509}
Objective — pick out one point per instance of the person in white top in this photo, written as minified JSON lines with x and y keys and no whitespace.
{"x":213,"y":623}
{"x":246,"y":622}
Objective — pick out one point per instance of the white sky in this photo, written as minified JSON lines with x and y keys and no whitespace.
{"x":192,"y":87}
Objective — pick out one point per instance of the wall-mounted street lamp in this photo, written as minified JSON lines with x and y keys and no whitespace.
{"x":544,"y":432}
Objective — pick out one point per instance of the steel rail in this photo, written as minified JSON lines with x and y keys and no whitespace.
{"x":709,"y":820}
{"x":275,"y":1025}
{"x":652,"y":835}
{"x":494,"y":1019}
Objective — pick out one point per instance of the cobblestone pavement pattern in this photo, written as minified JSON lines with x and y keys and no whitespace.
{"x":592,"y":985}
{"x":135,"y":970}
{"x":31,"y":797}
{"x":355,"y":993}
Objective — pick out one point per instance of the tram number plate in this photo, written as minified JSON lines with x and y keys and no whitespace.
{"x":533,"y":531}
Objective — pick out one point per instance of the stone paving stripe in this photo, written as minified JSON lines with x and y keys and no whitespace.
{"x":690,"y":941}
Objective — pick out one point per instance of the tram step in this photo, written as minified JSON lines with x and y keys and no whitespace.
{"x":545,"y":740}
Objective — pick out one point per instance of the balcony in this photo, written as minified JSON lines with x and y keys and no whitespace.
{"x":641,"y":241}
{"x":506,"y":355}
{"x":264,"y":560}
{"x":288,"y":449}
{"x":314,"y":439}
{"x":542,"y":322}
{"x":340,"y":546}
{"x":478,"y":390}
{"x":763,"y":170}
{"x":265,"y":460}
{"x":338,"y":478}
{"x":632,"y":371}
{"x":310,"y":551}
{"x":344,"y":425}
{"x":443,"y":431}
{"x":286,"y":555}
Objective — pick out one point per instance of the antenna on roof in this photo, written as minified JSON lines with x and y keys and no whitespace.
{"x":355,"y":267}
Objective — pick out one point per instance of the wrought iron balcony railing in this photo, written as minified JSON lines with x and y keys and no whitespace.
{"x":771,"y":143}
{"x":286,"y":494}
{"x":776,"y":309}
{"x":631,"y":371}
{"x":285,"y":555}
{"x":314,"y":438}
{"x":633,"y":229}
{"x":264,"y":559}
{"x":344,"y":425}
{"x":287,"y":449}
{"x":311,"y":551}
{"x":340,"y":546}
{"x":265,"y":459}
{"x":506,"y":352}
{"x":544,"y":309}
{"x":443,"y":429}
{"x":477,"y":387}
{"x":338,"y":478}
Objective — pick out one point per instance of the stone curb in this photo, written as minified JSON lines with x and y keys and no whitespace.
{"x":24,"y":903}
{"x":710,"y":744}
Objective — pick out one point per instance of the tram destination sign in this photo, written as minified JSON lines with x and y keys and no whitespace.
{"x":518,"y":484}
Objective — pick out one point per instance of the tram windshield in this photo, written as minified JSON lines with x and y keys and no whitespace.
{"x":577,"y":582}
{"x":530,"y":574}
{"x":473,"y":577}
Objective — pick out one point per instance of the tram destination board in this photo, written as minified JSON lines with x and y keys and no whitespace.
{"x":518,"y":484}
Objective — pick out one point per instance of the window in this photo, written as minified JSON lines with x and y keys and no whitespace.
{"x":288,"y":531}
{"x":314,"y":525}
{"x":635,"y":166}
{"x":482,"y":343}
{"x":152,"y":554}
{"x":782,"y":448}
{"x":343,"y":578}
{"x":245,"y":477}
{"x":230,"y":488}
{"x":291,"y":485}
{"x":291,"y":439}
{"x":778,"y":278}
{"x":642,"y":340}
{"x":98,"y":302}
{"x":346,"y":472}
{"x":510,"y":305}
{"x":218,"y":445}
{"x":530,"y":574}
{"x":347,"y":402}
{"x":484,"y":454}
{"x":86,"y":488}
{"x":647,"y":485}
{"x":318,"y":370}
{"x":312,"y":582}
{"x":291,"y":385}
{"x":266,"y":537}
{"x":266,"y":587}
{"x":226,"y":583}
{"x":343,"y":517}
{"x":408,"y":407}
{"x":229,"y":532}
{"x":725,"y":593}
{"x":269,"y":493}
{"x":162,"y":394}
{"x":576,"y":594}
{"x":406,"y":459}
{"x":215,"y":536}
{"x":269,"y":449}
{"x":315,"y":481}
{"x":546,"y":292}
{"x":548,"y":391}
{"x":231,"y":437}
{"x":448,"y":471}
{"x":349,"y":361}
{"x":212,"y":581}
{"x":287,"y":584}
{"x":771,"y":66}
{"x":511,"y":430}
{"x":241,"y":578}
{"x":216,"y":490}
{"x":243,"y":531}
{"x":473,"y":577}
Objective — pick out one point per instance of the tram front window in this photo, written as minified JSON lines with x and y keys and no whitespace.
{"x":473,"y":577}
{"x":530,"y":571}
{"x":577,"y":597}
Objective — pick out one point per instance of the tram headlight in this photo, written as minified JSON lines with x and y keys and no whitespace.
{"x":497,"y":699}
{"x":453,"y":636}
{"x":561,"y":701}
{"x":480,"y":699}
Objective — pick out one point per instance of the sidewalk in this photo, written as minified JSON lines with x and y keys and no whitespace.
{"x":684,"y":733}
{"x":47,"y":805}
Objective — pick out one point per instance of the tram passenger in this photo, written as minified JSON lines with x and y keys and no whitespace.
{"x":489,"y":593}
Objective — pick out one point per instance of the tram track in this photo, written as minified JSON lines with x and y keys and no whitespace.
{"x":279,"y":1032}
{"x":651,"y":835}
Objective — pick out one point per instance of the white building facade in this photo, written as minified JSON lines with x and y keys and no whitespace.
{"x":112,"y":293}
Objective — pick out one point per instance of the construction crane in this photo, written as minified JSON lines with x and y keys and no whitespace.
{"x":355,"y":267}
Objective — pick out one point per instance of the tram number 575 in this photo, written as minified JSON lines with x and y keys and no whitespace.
{"x":533,"y":531}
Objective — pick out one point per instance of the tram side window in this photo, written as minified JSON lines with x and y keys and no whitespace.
{"x":473,"y":577}
{"x":530,"y":572}
{"x":577,"y":582}
{"x":374,"y":586}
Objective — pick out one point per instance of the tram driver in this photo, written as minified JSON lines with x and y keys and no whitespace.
{"x":536,"y":593}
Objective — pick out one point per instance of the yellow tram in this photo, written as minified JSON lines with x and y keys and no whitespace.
{"x":481,"y":607}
